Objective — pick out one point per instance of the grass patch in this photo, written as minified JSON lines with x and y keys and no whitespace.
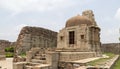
{"x":117,"y":65}
{"x":9,"y":54}
{"x":111,"y":55}
{"x":23,"y":54}
{"x":102,"y":60}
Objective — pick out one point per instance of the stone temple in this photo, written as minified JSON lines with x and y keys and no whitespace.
{"x":81,"y":34}
{"x":78,"y":40}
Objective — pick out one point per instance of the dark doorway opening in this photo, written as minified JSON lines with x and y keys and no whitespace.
{"x":71,"y":37}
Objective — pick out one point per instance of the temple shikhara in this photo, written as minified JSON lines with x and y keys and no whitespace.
{"x":45,"y":49}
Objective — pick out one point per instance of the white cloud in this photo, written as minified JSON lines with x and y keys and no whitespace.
{"x":33,"y":5}
{"x":117,"y":15}
{"x":18,"y":6}
{"x":110,"y":35}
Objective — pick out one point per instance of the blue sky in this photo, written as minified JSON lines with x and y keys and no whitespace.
{"x":52,"y":14}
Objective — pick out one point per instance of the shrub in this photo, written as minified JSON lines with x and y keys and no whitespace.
{"x":9,"y":54}
{"x":9,"y":49}
{"x":23,"y":54}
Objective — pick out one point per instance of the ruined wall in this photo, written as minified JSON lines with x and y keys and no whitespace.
{"x":6,"y":43}
{"x":3,"y":44}
{"x":111,"y":47}
{"x":89,"y":14}
{"x":35,"y":37}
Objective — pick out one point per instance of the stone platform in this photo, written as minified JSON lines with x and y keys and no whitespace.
{"x":82,"y":64}
{"x":108,"y":64}
{"x":6,"y":64}
{"x":74,"y":56}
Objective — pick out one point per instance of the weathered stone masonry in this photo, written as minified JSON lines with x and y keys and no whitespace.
{"x":111,"y":47}
{"x":4,"y":44}
{"x":79,"y":39}
{"x":35,"y":37}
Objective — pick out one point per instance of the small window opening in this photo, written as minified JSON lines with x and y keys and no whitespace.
{"x":61,"y":37}
{"x":82,"y":36}
{"x":71,"y":37}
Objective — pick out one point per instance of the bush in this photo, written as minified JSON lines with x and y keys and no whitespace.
{"x":9,"y":54}
{"x":23,"y":54}
{"x":9,"y":49}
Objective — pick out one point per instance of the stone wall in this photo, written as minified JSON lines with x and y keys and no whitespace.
{"x":74,"y":56}
{"x":4,"y":44}
{"x":111,"y":47}
{"x":52,"y":58}
{"x":35,"y":37}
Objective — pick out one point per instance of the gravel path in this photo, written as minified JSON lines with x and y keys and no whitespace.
{"x":6,"y":64}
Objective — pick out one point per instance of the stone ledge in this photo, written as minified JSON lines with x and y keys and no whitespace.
{"x":108,"y":65}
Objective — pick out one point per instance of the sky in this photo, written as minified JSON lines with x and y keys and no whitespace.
{"x":53,"y":14}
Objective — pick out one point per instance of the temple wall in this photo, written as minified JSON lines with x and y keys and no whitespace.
{"x":74,"y":56}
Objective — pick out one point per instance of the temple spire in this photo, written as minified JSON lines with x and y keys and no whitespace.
{"x":89,"y":14}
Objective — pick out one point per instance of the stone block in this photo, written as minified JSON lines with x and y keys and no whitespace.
{"x":18,"y":65}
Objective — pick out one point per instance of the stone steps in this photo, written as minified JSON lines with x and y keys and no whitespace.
{"x":81,"y":67}
{"x":38,"y":61}
{"x":37,"y":54}
{"x":37,"y":57}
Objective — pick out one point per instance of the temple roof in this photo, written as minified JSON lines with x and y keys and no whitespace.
{"x":78,"y":20}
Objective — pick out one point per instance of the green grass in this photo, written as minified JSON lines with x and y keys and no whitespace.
{"x":117,"y":65}
{"x":102,"y":60}
{"x":23,"y":54}
{"x":111,"y":55}
{"x":9,"y":54}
